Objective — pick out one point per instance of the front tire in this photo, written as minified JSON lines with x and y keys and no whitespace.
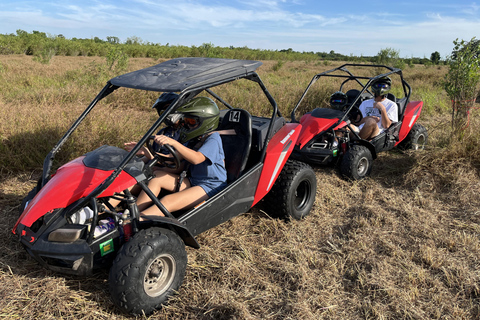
{"x":356,"y":163}
{"x":293,"y":193}
{"x":147,"y":271}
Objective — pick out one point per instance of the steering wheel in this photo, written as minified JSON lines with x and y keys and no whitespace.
{"x":171,"y":162}
{"x":354,"y":113}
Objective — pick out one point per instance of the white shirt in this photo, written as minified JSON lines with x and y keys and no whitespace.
{"x":367,"y":109}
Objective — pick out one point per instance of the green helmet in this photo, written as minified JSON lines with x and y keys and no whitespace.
{"x":200,"y":116}
{"x":338,"y":100}
{"x":382,"y":86}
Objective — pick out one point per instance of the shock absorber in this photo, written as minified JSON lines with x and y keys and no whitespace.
{"x":133,"y":208}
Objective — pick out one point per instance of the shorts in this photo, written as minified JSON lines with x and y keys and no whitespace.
{"x":211,"y":188}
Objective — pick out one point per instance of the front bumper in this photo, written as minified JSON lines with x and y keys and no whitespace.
{"x":76,"y":258}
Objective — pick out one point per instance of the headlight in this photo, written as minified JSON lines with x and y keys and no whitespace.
{"x":68,"y":233}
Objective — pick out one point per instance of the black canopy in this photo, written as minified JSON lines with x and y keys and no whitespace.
{"x":179,"y":74}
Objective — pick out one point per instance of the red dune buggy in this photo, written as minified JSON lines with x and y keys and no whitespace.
{"x":147,"y":259}
{"x":327,"y":136}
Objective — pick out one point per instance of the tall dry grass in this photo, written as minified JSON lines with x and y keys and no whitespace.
{"x":402,"y":244}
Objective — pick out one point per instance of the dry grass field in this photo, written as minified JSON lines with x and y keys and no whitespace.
{"x":402,"y":244}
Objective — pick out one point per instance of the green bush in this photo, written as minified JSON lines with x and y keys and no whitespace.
{"x":462,"y":80}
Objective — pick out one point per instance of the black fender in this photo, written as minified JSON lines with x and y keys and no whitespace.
{"x":369,"y":146}
{"x":172,"y":224}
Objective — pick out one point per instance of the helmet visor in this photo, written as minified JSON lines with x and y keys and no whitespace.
{"x":173,"y":119}
{"x":191,"y":122}
{"x":380,"y":86}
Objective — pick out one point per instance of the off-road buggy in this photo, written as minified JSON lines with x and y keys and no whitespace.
{"x":327,"y":136}
{"x":147,"y":259}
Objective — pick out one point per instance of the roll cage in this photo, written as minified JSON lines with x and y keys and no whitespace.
{"x":344,"y":73}
{"x":189,"y":77}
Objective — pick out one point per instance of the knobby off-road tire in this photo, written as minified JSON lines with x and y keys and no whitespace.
{"x":293,"y":193}
{"x":147,"y":271}
{"x":356,"y":163}
{"x":416,"y":138}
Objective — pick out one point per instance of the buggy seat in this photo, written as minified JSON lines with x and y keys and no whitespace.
{"x":236,"y":133}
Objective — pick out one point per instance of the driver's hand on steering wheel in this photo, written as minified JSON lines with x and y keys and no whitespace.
{"x":130,"y":145}
{"x":161,"y":140}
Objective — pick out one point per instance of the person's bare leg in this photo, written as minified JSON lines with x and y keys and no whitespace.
{"x":187,"y":198}
{"x":369,"y":130}
{"x":134,"y":190}
{"x":162,"y":181}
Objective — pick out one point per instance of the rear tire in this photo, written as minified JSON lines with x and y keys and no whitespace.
{"x":356,"y":163}
{"x":293,"y":193}
{"x":416,"y":138}
{"x":147,"y":271}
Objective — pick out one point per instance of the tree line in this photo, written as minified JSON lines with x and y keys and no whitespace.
{"x":44,"y":46}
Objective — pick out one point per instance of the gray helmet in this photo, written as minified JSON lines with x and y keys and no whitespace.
{"x":200,"y":116}
{"x":164,"y":101}
{"x":338,"y":100}
{"x":382,"y":86}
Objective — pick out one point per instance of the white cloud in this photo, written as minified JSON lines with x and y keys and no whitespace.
{"x":264,"y":24}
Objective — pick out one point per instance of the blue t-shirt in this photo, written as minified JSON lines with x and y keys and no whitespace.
{"x":211,"y":174}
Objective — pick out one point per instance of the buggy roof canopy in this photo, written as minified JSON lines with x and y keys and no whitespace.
{"x":185,"y":73}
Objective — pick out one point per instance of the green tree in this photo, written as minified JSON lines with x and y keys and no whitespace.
{"x":390,"y":57}
{"x":462,"y":80}
{"x":117,"y":60}
{"x":134,"y":40}
{"x":113,"y":40}
{"x":435,"y":57}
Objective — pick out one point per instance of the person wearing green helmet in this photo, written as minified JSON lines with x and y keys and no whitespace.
{"x":202,"y":151}
{"x":378,"y":113}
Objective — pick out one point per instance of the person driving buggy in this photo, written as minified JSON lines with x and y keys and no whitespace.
{"x":378,"y":113}
{"x":202,"y":152}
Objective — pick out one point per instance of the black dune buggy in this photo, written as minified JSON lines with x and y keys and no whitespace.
{"x":147,"y":259}
{"x":327,"y":136}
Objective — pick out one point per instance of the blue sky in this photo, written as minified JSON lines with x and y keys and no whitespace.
{"x":414,"y":28}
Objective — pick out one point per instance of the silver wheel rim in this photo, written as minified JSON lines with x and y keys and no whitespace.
{"x":159,"y":275}
{"x":362,"y":166}
{"x":420,"y":143}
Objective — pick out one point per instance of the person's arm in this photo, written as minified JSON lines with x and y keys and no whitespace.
{"x":142,"y":152}
{"x":192,"y":156}
{"x":386,"y":122}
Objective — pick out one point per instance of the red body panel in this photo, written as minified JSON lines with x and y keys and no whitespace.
{"x":412,"y":112}
{"x":278,"y":150}
{"x":71,"y":182}
{"x":311,"y":126}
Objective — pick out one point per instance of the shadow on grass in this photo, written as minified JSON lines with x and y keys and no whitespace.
{"x":391,"y":167}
